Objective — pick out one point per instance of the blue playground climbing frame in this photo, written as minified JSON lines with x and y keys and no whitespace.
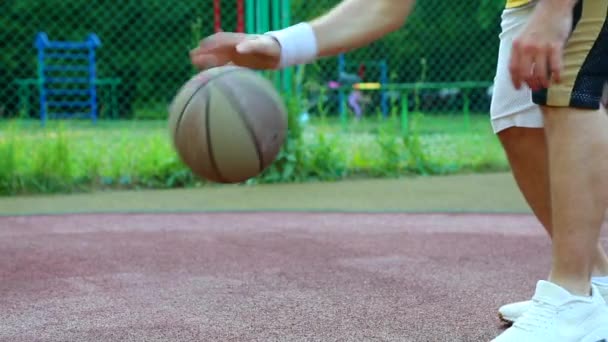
{"x":67,"y":78}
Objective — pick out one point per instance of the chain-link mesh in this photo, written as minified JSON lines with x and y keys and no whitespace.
{"x":447,"y":48}
{"x":145,"y":44}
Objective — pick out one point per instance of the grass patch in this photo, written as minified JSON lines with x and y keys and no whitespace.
{"x":74,"y":156}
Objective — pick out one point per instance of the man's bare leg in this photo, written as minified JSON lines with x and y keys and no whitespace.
{"x":526,"y":150}
{"x":577,"y":144}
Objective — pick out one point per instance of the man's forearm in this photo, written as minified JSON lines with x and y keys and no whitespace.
{"x":349,"y":25}
{"x":355,"y":23}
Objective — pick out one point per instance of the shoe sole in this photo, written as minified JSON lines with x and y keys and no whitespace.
{"x":599,"y":335}
{"x":506,"y":320}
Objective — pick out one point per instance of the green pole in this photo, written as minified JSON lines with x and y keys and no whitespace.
{"x":285,"y":22}
{"x":26,"y":100}
{"x":344,"y":117}
{"x":466,"y":110}
{"x":276,"y":14}
{"x":265,"y":17}
{"x":40,"y":83}
{"x":21,"y":96}
{"x":405,"y":121}
{"x":250,"y":24}
{"x":263,"y":22}
{"x":114,"y":99}
{"x":276,"y":25}
{"x":258,"y":15}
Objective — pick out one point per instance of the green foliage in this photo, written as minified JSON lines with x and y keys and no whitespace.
{"x":76,"y":156}
{"x":457,"y":39}
{"x":392,"y":154}
{"x":10,"y":180}
{"x":146,"y":43}
{"x":288,"y":166}
{"x":324,"y":159}
{"x":51,"y":167}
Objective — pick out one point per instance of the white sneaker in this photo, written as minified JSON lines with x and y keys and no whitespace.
{"x":555,"y":315}
{"x":508,"y":313}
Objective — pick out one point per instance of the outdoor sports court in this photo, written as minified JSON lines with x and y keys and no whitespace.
{"x":392,"y":263}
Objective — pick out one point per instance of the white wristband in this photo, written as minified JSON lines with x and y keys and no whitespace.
{"x":298,"y":44}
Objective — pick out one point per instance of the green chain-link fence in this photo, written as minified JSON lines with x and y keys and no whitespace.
{"x":442,"y":61}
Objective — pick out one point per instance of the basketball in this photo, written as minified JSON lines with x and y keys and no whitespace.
{"x":227,"y":124}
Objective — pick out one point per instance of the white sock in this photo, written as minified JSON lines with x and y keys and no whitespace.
{"x":603,"y":281}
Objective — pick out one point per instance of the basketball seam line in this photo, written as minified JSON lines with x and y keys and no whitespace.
{"x":208,"y":136}
{"x":248,"y":127}
{"x":183,"y":111}
{"x":200,"y":87}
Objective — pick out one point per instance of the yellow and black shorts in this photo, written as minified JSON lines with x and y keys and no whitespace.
{"x":517,"y":3}
{"x":585,"y":60}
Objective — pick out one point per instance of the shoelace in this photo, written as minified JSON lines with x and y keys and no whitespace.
{"x":541,"y":315}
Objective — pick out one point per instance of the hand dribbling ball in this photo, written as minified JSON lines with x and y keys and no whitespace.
{"x":228,"y":124}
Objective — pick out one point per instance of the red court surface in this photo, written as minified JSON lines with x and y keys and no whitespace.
{"x":264,"y":276}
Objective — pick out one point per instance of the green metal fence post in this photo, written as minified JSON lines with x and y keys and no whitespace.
{"x":27,"y":102}
{"x":276,"y":14}
{"x":261,"y":13}
{"x":22,"y":96}
{"x":405,"y":120}
{"x":263,"y":22}
{"x":344,"y":117}
{"x":275,"y":18}
{"x":466,"y":110}
{"x":250,"y":24}
{"x":285,"y":22}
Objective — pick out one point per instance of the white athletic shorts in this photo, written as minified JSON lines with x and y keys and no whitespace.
{"x":585,"y":69}
{"x":511,"y":107}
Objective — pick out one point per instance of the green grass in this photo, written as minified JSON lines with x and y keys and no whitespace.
{"x":69,"y":156}
{"x":446,"y":143}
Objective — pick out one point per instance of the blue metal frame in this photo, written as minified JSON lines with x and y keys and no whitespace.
{"x":67,"y":56}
